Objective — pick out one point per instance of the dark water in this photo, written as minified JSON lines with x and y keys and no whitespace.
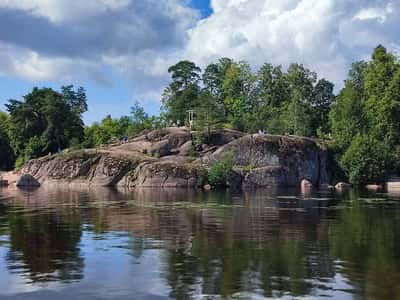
{"x":103,"y":244}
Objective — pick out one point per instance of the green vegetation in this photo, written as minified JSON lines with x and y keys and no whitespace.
{"x":6,"y":151}
{"x":229,"y":94}
{"x":110,"y":129}
{"x":219,"y":172}
{"x":366,"y":160}
{"x":45,"y":121}
{"x":365,"y":120}
{"x":362,"y":121}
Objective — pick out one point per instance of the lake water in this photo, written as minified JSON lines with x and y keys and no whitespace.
{"x":61,"y":243}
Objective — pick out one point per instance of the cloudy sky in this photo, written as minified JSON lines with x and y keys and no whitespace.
{"x":120,"y":49}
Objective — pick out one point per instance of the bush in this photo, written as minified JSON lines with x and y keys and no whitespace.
{"x":219,"y":172}
{"x":367,"y":160}
{"x":19,"y":162}
{"x":34,"y":147}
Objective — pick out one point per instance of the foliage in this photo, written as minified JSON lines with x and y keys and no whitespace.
{"x":366,"y":160}
{"x":365,"y":119}
{"x":219,"y":172}
{"x":6,"y":151}
{"x":234,"y":96}
{"x":46,"y":120}
{"x":347,"y":116}
{"x":182,"y":94}
{"x":113,"y":129}
{"x":19,"y":162}
{"x":209,"y":114}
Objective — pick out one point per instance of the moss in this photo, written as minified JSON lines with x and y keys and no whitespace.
{"x":79,"y":154}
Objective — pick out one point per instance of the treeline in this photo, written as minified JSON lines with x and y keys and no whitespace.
{"x":229,"y":94}
{"x":48,"y":121}
{"x":362,"y":122}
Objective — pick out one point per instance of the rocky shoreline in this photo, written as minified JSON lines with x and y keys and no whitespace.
{"x":174,"y":157}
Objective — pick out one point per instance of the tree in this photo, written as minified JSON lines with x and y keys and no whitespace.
{"x":273,"y":94}
{"x":365,"y":120}
{"x":321,"y":102}
{"x":297,"y":116}
{"x":183,"y":92}
{"x":6,"y":151}
{"x":347,"y":116}
{"x":213,"y":80}
{"x":239,"y":92}
{"x":301,"y":81}
{"x":367,"y":160}
{"x":382,"y":88}
{"x":46,"y":120}
{"x":139,"y":120}
{"x":209,"y":114}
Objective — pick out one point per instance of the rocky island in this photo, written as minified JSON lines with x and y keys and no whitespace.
{"x":175,"y":157}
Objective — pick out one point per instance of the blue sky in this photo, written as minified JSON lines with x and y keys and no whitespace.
{"x":120,"y":50}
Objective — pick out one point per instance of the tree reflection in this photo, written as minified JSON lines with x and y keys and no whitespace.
{"x":300,"y":257}
{"x":243,"y":249}
{"x":366,"y":240}
{"x":46,"y":245}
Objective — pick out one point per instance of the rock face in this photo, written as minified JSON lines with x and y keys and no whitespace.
{"x":270,"y":160}
{"x":168,"y":158}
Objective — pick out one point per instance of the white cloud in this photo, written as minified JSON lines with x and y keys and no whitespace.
{"x":141,"y":38}
{"x":375,"y":13}
{"x":34,"y":67}
{"x":65,"y":40}
{"x":59,"y":11}
{"x":324,"y":35}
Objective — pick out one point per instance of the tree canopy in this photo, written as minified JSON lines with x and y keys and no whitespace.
{"x":46,"y":120}
{"x":366,"y":117}
{"x":231,"y":94}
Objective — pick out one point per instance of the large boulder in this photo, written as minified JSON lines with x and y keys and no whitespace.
{"x":306,"y":185}
{"x":276,"y":160}
{"x":27,"y":180}
{"x":342,"y":186}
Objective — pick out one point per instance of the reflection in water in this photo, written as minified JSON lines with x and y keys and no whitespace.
{"x":45,"y":247}
{"x":183,"y":244}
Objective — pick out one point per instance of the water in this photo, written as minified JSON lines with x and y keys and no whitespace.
{"x":60,"y":243}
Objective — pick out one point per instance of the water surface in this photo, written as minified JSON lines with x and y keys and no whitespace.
{"x":64,"y":243}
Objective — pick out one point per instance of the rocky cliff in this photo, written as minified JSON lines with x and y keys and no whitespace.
{"x":173,"y":157}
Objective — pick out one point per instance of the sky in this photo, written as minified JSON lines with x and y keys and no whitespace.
{"x":120,"y":50}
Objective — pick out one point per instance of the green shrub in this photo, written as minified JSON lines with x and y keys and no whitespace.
{"x":367,"y":160}
{"x":219,"y":172}
{"x":19,"y":162}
